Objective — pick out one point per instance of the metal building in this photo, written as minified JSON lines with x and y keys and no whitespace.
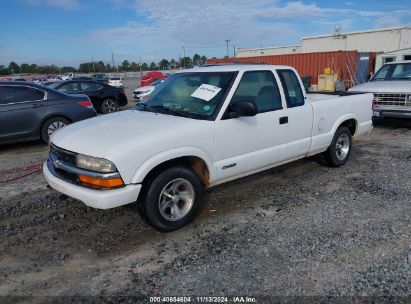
{"x":378,"y":40}
{"x":399,"y":55}
{"x":375,"y":40}
{"x":277,"y":50}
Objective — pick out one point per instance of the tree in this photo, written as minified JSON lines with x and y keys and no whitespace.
{"x":33,"y":68}
{"x":173,"y":64}
{"x":164,"y":64}
{"x":68,"y":69}
{"x":196,"y":60}
{"x":4,"y":70}
{"x":186,"y":62}
{"x":14,"y":68}
{"x":25,"y":68}
{"x":86,"y":67}
{"x":108,"y":67}
{"x":153,"y":66}
{"x":125,"y":66}
{"x":144,"y":66}
{"x":134,"y":67}
{"x":203,"y":59}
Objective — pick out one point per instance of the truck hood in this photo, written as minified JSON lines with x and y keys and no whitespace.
{"x":390,"y":86}
{"x":133,"y":134}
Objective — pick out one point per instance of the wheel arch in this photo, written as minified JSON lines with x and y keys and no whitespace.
{"x":52,"y":115}
{"x":350,"y":121}
{"x":198,"y":162}
{"x":351,"y":124}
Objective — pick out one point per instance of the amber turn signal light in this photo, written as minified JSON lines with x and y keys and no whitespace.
{"x":103,"y":183}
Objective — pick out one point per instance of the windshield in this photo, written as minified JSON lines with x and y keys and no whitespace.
{"x":399,"y":71}
{"x":195,"y":94}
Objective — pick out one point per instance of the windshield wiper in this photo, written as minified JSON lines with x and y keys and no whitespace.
{"x":167,"y":110}
{"x":161,"y":109}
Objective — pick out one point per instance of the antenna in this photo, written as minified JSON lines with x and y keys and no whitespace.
{"x":337,"y":30}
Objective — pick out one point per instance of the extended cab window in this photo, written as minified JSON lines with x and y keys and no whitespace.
{"x":260,"y":87}
{"x":292,"y":88}
{"x":14,"y":94}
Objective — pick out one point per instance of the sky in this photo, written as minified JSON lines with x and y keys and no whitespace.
{"x":68,"y":32}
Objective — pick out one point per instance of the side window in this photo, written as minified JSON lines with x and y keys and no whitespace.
{"x":13,"y":94}
{"x":71,"y":87}
{"x":260,"y":87}
{"x":292,"y":88}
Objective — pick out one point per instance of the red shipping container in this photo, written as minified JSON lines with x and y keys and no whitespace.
{"x":343,"y":63}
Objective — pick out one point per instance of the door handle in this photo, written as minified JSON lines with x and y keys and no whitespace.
{"x":283,"y":120}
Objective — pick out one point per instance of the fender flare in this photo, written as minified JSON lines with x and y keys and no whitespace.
{"x":154,"y":161}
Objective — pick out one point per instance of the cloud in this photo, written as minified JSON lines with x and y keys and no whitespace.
{"x":166,"y":26}
{"x":66,"y":4}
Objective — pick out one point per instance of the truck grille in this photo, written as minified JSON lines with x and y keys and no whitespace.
{"x":392,"y":99}
{"x":63,"y":155}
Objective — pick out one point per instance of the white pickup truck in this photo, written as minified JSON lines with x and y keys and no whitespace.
{"x":391,"y":86}
{"x":204,"y":127}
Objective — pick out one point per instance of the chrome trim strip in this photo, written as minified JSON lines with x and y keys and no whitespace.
{"x":63,"y":166}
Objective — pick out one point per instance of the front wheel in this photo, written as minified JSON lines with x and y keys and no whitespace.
{"x":338,"y":152}
{"x":173,"y":199}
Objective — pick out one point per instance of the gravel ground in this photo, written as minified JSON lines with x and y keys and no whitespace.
{"x":295,"y":233}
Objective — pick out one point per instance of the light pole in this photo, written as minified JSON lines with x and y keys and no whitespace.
{"x":184,"y":58}
{"x":228,"y":53}
{"x":112,"y":59}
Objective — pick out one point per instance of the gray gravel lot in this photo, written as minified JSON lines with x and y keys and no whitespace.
{"x":299,"y":230}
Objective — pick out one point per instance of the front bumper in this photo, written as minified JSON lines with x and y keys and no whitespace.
{"x":100,"y":199}
{"x":380,"y":113}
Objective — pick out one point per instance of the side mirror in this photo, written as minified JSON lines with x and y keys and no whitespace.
{"x":243,"y":108}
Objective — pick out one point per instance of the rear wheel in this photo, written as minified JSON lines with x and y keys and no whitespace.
{"x":338,"y":152}
{"x":51,"y":125}
{"x":109,"y":106}
{"x":173,"y":199}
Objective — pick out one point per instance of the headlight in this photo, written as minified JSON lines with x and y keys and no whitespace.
{"x":95,"y":164}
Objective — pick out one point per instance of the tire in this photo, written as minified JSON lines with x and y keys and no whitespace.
{"x":162,"y":206}
{"x":51,"y":125}
{"x":339,"y":151}
{"x":109,"y":106}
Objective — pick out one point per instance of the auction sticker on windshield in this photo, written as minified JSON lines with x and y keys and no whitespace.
{"x":206,"y":92}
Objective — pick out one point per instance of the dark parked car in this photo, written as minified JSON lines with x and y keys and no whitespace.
{"x":100,"y":77}
{"x":105,"y":98}
{"x":82,"y":78}
{"x":29,"y":111}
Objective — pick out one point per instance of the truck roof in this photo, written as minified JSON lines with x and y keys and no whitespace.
{"x":400,"y":61}
{"x":233,"y":68}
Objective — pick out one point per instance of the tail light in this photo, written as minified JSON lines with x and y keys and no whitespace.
{"x":86,"y":104}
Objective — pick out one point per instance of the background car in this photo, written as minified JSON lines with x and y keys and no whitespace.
{"x":150,"y":77}
{"x":116,"y":82}
{"x":29,"y":111}
{"x":100,"y":77}
{"x":68,"y":76}
{"x":105,"y":98}
{"x":142,"y":92}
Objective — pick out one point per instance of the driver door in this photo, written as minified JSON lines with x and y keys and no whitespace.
{"x":248,"y":144}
